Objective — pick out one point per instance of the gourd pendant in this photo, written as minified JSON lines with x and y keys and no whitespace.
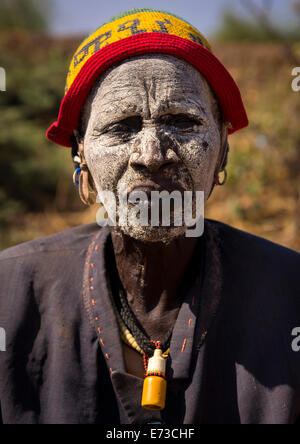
{"x":155,"y":384}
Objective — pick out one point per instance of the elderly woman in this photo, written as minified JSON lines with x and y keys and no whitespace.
{"x":138,"y":323}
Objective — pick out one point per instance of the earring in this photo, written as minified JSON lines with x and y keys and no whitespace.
{"x":76,"y":176}
{"x":218,"y":182}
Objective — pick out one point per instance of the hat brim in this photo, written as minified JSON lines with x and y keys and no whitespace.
{"x":220,"y":80}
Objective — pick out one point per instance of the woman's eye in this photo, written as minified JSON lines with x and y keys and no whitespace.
{"x":182,"y":122}
{"x":130,"y":125}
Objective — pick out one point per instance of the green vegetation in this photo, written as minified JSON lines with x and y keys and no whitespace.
{"x":24,"y":14}
{"x":31,"y":167}
{"x":235,"y":28}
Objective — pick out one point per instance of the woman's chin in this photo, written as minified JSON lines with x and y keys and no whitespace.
{"x":153,"y":234}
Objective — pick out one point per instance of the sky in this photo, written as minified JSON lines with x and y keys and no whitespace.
{"x":71,"y":17}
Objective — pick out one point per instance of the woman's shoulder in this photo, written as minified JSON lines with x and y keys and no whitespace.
{"x":255,"y":252}
{"x":75,"y":238}
{"x":252,"y":258}
{"x":235,"y":236}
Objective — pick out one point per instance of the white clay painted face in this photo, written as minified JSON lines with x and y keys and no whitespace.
{"x":151,"y":121}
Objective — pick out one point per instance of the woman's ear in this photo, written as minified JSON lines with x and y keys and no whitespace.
{"x":75,"y":149}
{"x":86,"y":184}
{"x":222,"y":157}
{"x":223,"y":154}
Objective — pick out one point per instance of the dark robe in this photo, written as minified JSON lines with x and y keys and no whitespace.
{"x":231,"y":358}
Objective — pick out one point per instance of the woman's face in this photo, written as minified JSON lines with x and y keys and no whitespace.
{"x":151,"y":123}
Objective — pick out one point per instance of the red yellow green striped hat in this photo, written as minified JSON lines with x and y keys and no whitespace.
{"x":137,"y":32}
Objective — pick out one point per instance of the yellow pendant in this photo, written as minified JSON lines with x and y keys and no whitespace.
{"x":155,"y":387}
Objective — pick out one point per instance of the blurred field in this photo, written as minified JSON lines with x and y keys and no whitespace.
{"x":37,"y":196}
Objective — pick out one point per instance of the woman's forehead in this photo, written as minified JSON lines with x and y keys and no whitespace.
{"x":152,"y":84}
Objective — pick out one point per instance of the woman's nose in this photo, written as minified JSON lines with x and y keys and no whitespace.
{"x":152,"y":154}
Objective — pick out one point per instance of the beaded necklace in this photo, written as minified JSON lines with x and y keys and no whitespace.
{"x":133,"y":325}
{"x":155,"y":384}
{"x":130,"y":340}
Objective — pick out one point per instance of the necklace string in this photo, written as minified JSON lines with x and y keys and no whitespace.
{"x":131,"y":342}
{"x":131,"y":322}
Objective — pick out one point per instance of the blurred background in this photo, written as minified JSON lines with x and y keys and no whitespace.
{"x":257,"y":40}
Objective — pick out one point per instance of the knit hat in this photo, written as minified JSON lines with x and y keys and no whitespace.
{"x":137,"y":32}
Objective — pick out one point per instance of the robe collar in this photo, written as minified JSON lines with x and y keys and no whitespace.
{"x":195,"y":316}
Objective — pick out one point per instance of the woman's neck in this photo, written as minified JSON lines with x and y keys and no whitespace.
{"x":151,"y":274}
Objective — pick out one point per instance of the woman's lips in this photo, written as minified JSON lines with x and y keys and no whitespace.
{"x":142,"y":193}
{"x":149,"y":186}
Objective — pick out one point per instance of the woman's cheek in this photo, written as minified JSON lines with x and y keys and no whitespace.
{"x":106,"y":164}
{"x":199,"y":157}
